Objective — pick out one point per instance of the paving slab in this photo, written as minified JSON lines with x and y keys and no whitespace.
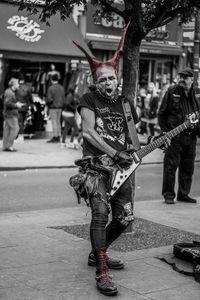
{"x":184,"y":216}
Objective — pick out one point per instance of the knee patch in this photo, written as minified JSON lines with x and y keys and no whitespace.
{"x":126,"y":216}
{"x":100,"y":209}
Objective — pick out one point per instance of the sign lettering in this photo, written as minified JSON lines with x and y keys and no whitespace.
{"x":116,"y":22}
{"x":27,"y":30}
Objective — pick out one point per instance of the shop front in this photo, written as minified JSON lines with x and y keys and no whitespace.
{"x":30,"y":47}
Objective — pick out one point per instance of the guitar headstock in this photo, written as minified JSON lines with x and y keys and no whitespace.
{"x":193,"y":118}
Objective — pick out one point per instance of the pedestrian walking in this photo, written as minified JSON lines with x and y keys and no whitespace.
{"x":11,"y":115}
{"x":178,"y":102}
{"x":55,"y":102}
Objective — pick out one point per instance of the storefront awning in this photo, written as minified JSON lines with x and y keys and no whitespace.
{"x":111,"y":43}
{"x":162,"y":49}
{"x":24,"y":37}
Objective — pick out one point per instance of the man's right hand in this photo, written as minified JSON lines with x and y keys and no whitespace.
{"x":123,"y":159}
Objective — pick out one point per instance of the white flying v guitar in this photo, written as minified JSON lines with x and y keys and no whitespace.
{"x":121,"y":175}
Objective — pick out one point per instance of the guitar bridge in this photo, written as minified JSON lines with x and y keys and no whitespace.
{"x":122,"y":175}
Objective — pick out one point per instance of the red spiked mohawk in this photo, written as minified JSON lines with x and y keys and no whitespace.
{"x":113,"y":62}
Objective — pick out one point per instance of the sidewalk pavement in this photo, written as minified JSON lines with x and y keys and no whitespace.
{"x":36,"y":153}
{"x":41,"y":263}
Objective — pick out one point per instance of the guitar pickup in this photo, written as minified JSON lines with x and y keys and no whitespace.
{"x":136,"y":158}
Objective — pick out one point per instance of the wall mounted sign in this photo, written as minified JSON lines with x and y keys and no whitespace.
{"x":158,"y":34}
{"x":116,"y":22}
{"x":27,"y":30}
{"x":188,"y":33}
{"x":169,"y":34}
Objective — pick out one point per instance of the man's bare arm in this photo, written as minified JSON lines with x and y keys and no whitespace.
{"x":88,"y":124}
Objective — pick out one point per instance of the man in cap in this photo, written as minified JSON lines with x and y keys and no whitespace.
{"x":105,"y":131}
{"x":178,"y":102}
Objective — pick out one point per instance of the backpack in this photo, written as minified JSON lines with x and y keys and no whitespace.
{"x":189,"y":252}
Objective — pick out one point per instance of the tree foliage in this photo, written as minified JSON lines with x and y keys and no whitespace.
{"x":142,"y":15}
{"x":150,"y":13}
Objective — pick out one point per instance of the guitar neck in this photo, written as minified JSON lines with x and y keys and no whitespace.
{"x":160,"y":141}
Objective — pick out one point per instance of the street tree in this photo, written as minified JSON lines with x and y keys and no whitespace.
{"x":143,"y":16}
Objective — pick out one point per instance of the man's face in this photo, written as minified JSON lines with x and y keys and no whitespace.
{"x":106,"y":81}
{"x":150,"y":87}
{"x":185,"y":82}
{"x":15,"y":85}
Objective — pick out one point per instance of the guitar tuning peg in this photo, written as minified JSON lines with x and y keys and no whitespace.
{"x":197,"y":114}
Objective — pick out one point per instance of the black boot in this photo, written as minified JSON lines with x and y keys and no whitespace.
{"x":115,"y":264}
{"x":104,"y":281}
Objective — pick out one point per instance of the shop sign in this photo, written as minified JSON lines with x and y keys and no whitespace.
{"x":97,"y":25}
{"x":116,"y":22}
{"x":157,"y":34}
{"x":27,"y":30}
{"x":188,"y":33}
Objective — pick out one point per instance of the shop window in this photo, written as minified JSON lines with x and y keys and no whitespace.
{"x":163,"y":74}
{"x":144,"y":72}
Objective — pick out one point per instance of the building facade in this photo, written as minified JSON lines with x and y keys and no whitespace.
{"x":161,"y":52}
{"x":30,"y":47}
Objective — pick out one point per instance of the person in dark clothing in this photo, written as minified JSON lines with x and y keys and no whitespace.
{"x":105,"y":132}
{"x":24,"y":96}
{"x":106,"y":140}
{"x":178,"y":102}
{"x":68,"y":115}
{"x":55,"y":101}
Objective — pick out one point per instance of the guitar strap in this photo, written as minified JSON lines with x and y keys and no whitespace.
{"x":131,"y":125}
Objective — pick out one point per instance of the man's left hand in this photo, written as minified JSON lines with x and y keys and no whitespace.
{"x":167,"y":141}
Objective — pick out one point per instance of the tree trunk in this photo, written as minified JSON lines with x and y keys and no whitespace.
{"x":131,"y":58}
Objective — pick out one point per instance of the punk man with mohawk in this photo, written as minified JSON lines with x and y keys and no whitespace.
{"x":105,"y":131}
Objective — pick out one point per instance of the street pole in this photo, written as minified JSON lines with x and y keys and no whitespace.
{"x":196,"y":59}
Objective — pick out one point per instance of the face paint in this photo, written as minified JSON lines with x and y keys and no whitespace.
{"x":106,"y":81}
